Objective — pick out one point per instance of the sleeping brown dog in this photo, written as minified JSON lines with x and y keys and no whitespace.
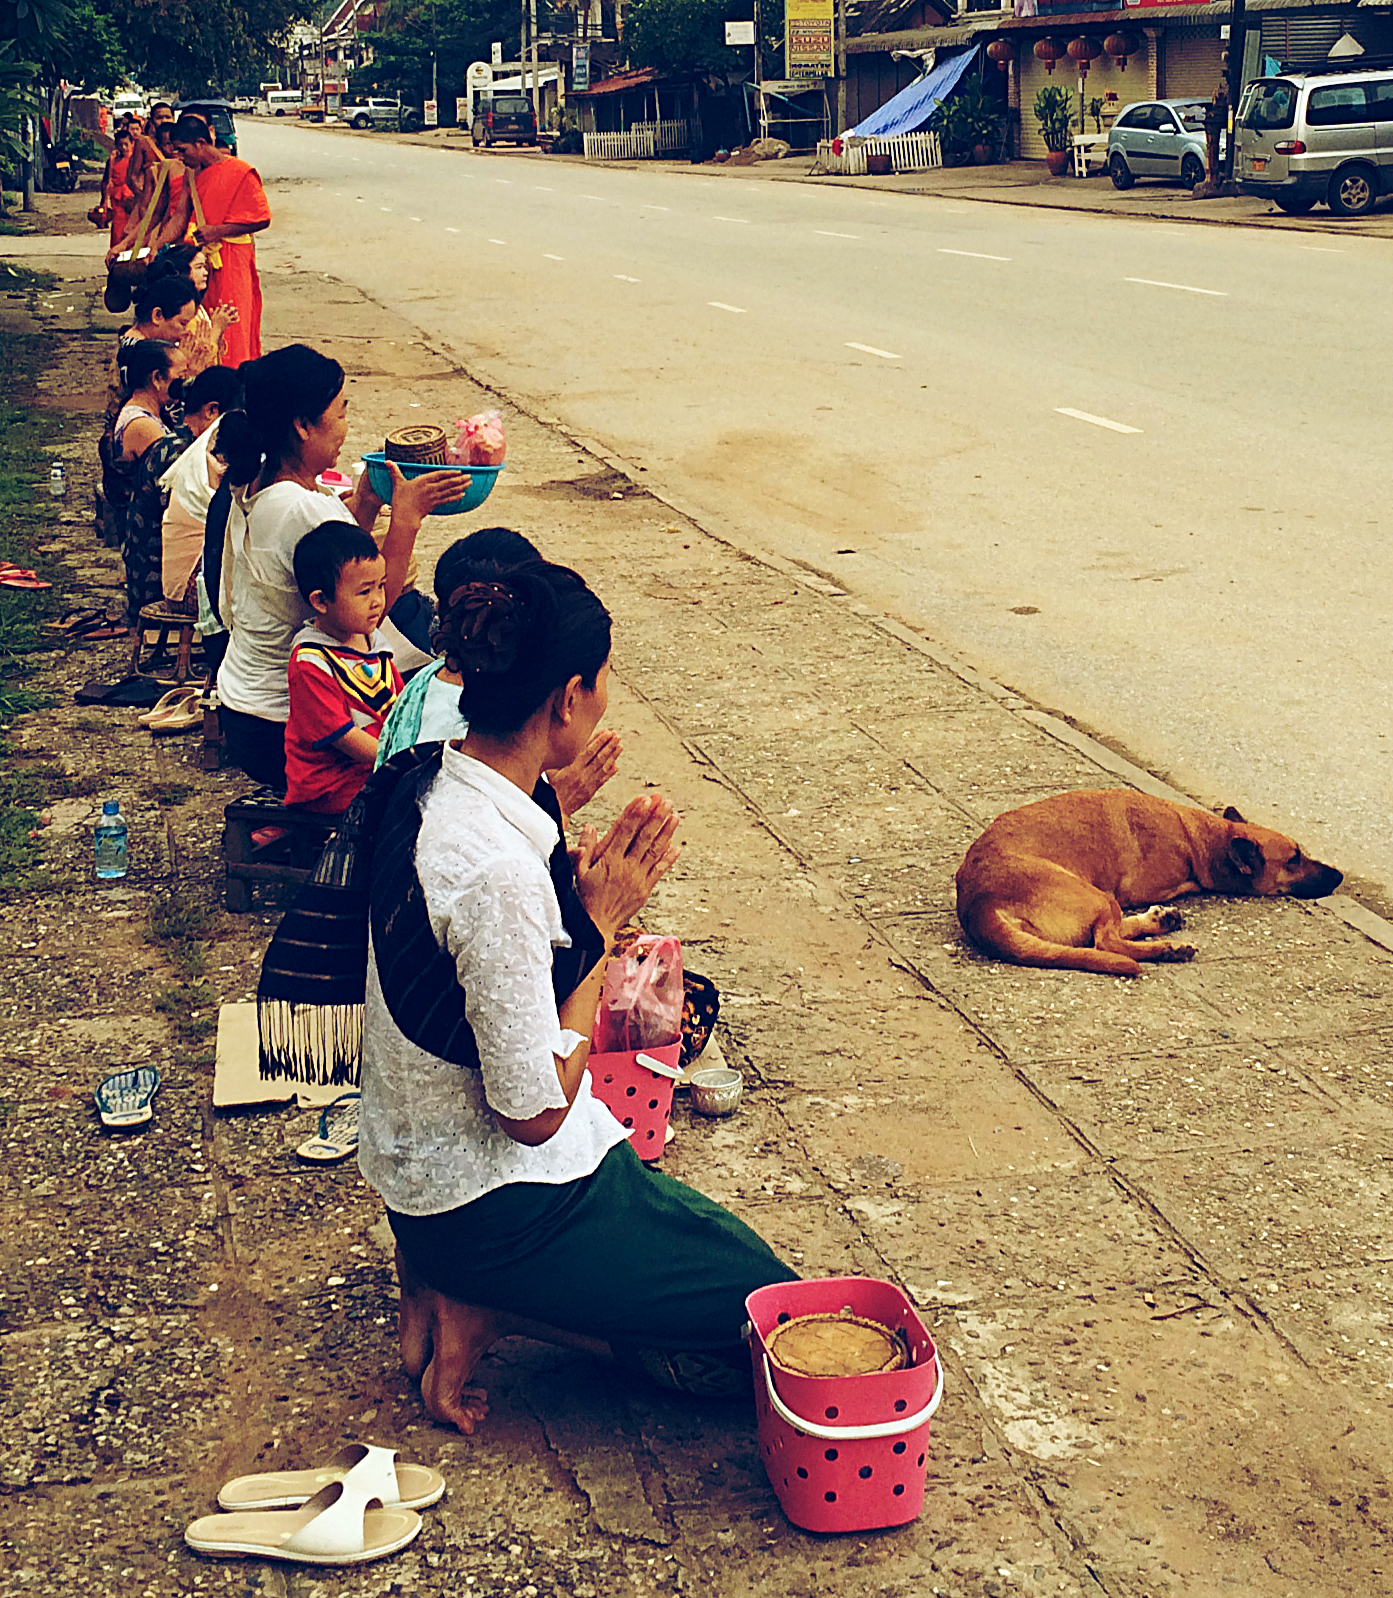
{"x":1047,"y":884}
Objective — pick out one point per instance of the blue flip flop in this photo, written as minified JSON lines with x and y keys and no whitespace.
{"x":337,"y":1137}
{"x":125,"y":1100}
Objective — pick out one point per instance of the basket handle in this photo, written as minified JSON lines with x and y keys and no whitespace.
{"x":658,"y":1068}
{"x":885,"y":1428}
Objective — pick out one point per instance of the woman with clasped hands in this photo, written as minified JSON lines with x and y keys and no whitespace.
{"x":518,"y":1204}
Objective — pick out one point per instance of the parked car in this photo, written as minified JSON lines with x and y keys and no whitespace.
{"x":380,"y":112}
{"x":1159,"y":139}
{"x":217,"y":113}
{"x":1310,"y":137}
{"x":244,"y":103}
{"x":503,"y":116}
{"x":284,"y":102}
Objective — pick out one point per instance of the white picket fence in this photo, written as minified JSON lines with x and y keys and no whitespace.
{"x":642,"y":142}
{"x":908,"y":152}
{"x":636,"y":145}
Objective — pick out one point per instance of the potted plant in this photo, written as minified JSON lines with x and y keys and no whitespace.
{"x":1054,"y":111}
{"x":967,"y":125}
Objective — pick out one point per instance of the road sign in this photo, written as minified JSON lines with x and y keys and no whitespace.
{"x":432,"y":113}
{"x":580,"y":67}
{"x":740,"y":33}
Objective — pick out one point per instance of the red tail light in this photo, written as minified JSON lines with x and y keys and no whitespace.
{"x":1290,"y":147}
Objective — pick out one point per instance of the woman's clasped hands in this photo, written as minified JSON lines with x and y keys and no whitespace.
{"x":616,"y":874}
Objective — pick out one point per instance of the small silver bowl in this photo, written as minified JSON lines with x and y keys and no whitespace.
{"x":716,"y":1090}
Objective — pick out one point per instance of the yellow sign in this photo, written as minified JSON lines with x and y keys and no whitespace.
{"x":808,"y":38}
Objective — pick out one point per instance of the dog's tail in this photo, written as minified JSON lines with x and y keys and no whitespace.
{"x":1007,"y":936}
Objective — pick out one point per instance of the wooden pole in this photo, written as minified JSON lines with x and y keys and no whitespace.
{"x":841,"y":66}
{"x":1238,"y":35}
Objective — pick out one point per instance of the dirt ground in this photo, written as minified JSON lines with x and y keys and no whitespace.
{"x":1144,"y":1220}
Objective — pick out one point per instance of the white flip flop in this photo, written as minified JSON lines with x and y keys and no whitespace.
{"x":336,"y":1527}
{"x":337,"y":1136}
{"x":368,"y":1471}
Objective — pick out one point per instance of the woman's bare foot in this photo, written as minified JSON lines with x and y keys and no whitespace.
{"x":461,"y":1334}
{"x":414,"y":1313}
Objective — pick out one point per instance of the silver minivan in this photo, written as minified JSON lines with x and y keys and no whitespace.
{"x":1310,"y":137}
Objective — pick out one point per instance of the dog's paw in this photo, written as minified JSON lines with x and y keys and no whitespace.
{"x":1179,"y":952}
{"x":1167,"y":919}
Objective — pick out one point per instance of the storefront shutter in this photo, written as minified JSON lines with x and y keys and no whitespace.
{"x":1298,"y":40}
{"x":1194,"y":63}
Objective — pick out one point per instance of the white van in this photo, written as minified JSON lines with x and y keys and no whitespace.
{"x":1307,"y":137}
{"x":284,"y":102}
{"x":127,"y":102}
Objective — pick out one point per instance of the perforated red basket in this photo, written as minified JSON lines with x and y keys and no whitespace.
{"x":845,"y":1453}
{"x":638,"y":1098}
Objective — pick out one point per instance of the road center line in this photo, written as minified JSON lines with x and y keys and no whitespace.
{"x":1098,"y":421}
{"x":976,"y":255}
{"x":1321,"y":249}
{"x":1185,"y":288}
{"x":826,"y":233}
{"x":621,"y":277}
{"x":870,"y":349}
{"x":553,"y":257}
{"x":721,"y":306}
{"x":415,"y":219}
{"x":592,"y":196}
{"x":503,"y":242}
{"x":506,"y":181}
{"x":452,"y":230}
{"x":648,"y":205}
{"x":542,"y":187}
{"x":730,"y":219}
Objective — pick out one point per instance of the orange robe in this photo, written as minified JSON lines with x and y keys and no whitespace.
{"x":118,"y":197}
{"x":231,"y":192}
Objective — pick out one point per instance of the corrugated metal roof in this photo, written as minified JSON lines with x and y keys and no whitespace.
{"x":618,"y":83}
{"x":915,"y":39}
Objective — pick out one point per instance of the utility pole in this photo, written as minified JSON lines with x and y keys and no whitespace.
{"x":536,"y":94}
{"x":1238,"y":36}
{"x":841,"y":66}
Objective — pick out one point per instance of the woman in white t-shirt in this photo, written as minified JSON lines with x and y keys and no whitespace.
{"x":290,"y":431}
{"x":518,"y":1204}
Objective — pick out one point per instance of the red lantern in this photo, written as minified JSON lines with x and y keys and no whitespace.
{"x":1119,"y":46}
{"x":1083,"y":50}
{"x":1048,"y":51}
{"x":1003,"y":52}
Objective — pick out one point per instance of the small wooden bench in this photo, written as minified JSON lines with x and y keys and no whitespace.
{"x":289,"y":858}
{"x":153,"y":659}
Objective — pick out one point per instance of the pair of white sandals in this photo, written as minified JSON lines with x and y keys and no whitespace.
{"x":180,"y":710}
{"x":360,"y":1505}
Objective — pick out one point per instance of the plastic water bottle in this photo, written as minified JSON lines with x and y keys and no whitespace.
{"x":57,"y":481}
{"x":110,"y":842}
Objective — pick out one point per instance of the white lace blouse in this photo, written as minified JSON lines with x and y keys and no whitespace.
{"x":429,"y":1138}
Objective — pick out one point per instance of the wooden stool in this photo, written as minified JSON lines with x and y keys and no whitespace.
{"x":288,"y":858}
{"x":163,"y":619}
{"x":210,"y":755}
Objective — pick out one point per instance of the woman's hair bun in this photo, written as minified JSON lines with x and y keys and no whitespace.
{"x":486,"y":627}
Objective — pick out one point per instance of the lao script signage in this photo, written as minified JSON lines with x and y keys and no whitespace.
{"x":580,"y":67}
{"x":808,"y":38}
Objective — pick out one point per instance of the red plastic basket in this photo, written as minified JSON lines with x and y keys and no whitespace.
{"x":638,"y":1098}
{"x":845,"y":1453}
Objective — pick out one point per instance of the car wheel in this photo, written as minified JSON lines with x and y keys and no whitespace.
{"x":361,"y":122}
{"x":1294,"y":207}
{"x":279,"y":112}
{"x":1119,"y":171}
{"x":1192,"y":172}
{"x":1353,"y":191}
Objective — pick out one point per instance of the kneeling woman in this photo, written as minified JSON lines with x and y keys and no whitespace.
{"x":518,"y":1205}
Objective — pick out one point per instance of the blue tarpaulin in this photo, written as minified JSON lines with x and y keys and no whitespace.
{"x":911,"y":108}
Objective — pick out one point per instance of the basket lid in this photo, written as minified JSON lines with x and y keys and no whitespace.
{"x":836,"y":1345}
{"x":420,"y":442}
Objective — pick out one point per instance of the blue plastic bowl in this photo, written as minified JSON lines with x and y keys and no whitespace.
{"x":481,"y":481}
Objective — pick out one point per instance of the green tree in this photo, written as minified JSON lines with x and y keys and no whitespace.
{"x":89,"y":53}
{"x":190,"y":45}
{"x":678,"y":36}
{"x":454,"y":32}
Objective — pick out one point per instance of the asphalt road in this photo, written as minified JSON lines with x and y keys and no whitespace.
{"x":1132,"y":469}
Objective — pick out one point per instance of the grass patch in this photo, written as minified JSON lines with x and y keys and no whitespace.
{"x":177,"y":923}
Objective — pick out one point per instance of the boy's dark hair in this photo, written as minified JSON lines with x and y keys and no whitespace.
{"x":322,"y":554}
{"x":219,"y":384}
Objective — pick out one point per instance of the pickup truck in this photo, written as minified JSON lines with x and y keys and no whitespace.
{"x":380,"y":113}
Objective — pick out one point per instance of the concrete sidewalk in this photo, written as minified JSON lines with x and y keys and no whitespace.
{"x":1145,"y":1219}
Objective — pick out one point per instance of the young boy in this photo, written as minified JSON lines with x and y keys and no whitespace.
{"x":341,"y":675}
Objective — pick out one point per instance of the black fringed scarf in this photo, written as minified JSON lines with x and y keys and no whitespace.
{"x":309,"y":1001}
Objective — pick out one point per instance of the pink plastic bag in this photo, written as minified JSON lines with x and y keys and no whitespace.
{"x":481,"y":441}
{"x":641,"y":1000}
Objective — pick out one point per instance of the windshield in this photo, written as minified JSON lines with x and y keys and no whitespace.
{"x":1271,"y":103}
{"x":512,"y":104}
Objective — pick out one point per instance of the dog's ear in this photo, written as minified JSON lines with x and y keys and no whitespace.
{"x":1232,"y":815}
{"x":1245,"y":856}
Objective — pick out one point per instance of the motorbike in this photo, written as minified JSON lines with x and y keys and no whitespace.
{"x":60,"y":169}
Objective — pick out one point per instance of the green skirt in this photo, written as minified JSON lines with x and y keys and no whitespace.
{"x":626,"y":1255}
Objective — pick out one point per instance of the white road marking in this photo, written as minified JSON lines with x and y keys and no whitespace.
{"x":648,"y":205}
{"x":827,"y":234}
{"x":721,"y":306}
{"x":1321,"y":249}
{"x":976,"y":255}
{"x":499,"y":241}
{"x":553,"y":257}
{"x":384,"y":208}
{"x":452,"y":230}
{"x":542,"y":187}
{"x":730,"y":219}
{"x":1186,"y":288}
{"x":507,"y":181}
{"x":1098,"y":421}
{"x":624,"y":279}
{"x":870,"y":349}
{"x":415,"y":219}
{"x":592,"y":196}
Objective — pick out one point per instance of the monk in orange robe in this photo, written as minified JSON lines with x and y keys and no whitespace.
{"x":234,"y":208}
